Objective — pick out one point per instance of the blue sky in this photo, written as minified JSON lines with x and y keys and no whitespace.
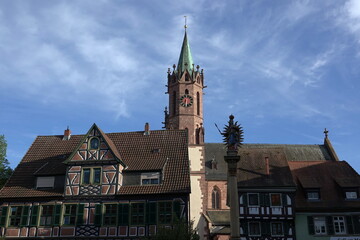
{"x":285,"y":69}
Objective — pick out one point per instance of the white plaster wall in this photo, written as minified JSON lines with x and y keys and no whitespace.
{"x":195,"y":156}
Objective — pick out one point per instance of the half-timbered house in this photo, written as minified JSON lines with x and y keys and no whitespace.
{"x":96,"y":185}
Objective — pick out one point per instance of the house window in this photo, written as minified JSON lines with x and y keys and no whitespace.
{"x":45,"y":182}
{"x":165,"y":212}
{"x":313,"y":195}
{"x":320,"y":225}
{"x":70,"y":214}
{"x":150,"y":178}
{"x":277,"y":229}
{"x":110,"y":214}
{"x":15,"y":216}
{"x":91,"y":176}
{"x":254,"y":229}
{"x":351,"y":195}
{"x":253,"y":199}
{"x":275,"y":199}
{"x":46,"y":216}
{"x":137,"y":213}
{"x":339,"y":225}
{"x":94,"y":143}
{"x":215,"y":197}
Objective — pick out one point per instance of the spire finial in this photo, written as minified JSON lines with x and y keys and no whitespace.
{"x":185,"y":26}
{"x":326,"y":133}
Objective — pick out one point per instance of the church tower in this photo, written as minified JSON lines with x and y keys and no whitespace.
{"x":185,"y":88}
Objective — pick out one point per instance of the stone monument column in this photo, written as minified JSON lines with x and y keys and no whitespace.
{"x":233,"y":136}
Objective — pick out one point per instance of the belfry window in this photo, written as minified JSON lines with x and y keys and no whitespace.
{"x":215,"y":196}
{"x":94,"y":143}
{"x":186,"y":91}
{"x":198,"y":103}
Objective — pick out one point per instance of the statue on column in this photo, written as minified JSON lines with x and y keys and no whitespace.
{"x":233,"y":135}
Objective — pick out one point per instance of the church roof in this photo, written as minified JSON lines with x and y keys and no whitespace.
{"x":185,"y":59}
{"x":139,"y":152}
{"x":291,"y":152}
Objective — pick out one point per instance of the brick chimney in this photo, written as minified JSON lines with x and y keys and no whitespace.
{"x":267,"y":167}
{"x":147,"y":129}
{"x":67,"y":134}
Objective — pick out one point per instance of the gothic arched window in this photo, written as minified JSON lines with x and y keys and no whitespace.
{"x":215,"y":197}
{"x":174,"y":103}
{"x":198,"y":103}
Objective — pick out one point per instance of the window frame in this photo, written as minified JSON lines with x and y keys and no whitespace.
{"x":47,"y":215}
{"x":280,"y":200}
{"x":137,"y":214}
{"x":150,"y":176}
{"x":258,"y":200}
{"x":50,"y":178}
{"x":215,"y":198}
{"x":110,"y":215}
{"x":166,"y":213}
{"x":254,"y":235}
{"x":92,"y":175}
{"x":351,"y":198}
{"x":9,"y":215}
{"x":282,"y":229}
{"x":320,"y":221}
{"x":64,"y":214}
{"x":312,"y":198}
{"x":90,"y":145}
{"x":336,"y":222}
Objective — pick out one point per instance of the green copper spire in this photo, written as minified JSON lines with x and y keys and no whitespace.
{"x":185,"y":60}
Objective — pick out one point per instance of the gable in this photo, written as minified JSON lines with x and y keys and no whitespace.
{"x":95,"y":146}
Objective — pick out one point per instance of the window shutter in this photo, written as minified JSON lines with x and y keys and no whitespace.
{"x":177,"y":209}
{"x":123,"y":212}
{"x":284,"y":199}
{"x":261,"y":199}
{"x":267,"y":199}
{"x":3,"y":216}
{"x":265,"y":229}
{"x":245,"y":199}
{"x":329,"y":225}
{"x":57,"y":215}
{"x":80,"y":214}
{"x":151,"y":213}
{"x":98,"y":214}
{"x":356,"y":221}
{"x":34,"y":216}
{"x":349,"y":225}
{"x":310,"y":221}
{"x":245,"y":226}
{"x":24,"y":216}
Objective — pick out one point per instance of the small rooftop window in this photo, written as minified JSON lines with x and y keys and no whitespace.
{"x":313,"y":195}
{"x":351,"y":195}
{"x":152,"y":178}
{"x":45,"y":182}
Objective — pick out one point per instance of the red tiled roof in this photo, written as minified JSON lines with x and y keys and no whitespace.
{"x":326,"y":175}
{"x":138,"y":151}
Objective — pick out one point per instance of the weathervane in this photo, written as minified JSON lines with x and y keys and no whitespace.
{"x":232,"y":135}
{"x":185,"y":26}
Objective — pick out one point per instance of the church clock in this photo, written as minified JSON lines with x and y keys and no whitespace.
{"x":186,"y":100}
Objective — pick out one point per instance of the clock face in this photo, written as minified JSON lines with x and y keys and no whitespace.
{"x":186,"y":100}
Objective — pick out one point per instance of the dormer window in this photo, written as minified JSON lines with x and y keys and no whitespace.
{"x":150,"y":178}
{"x":351,"y":195}
{"x":94,"y":143}
{"x":45,"y":182}
{"x":313,"y":195}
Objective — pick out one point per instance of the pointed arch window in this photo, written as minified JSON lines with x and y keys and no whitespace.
{"x":215,"y":197}
{"x":198,"y":103}
{"x":174,"y":103}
